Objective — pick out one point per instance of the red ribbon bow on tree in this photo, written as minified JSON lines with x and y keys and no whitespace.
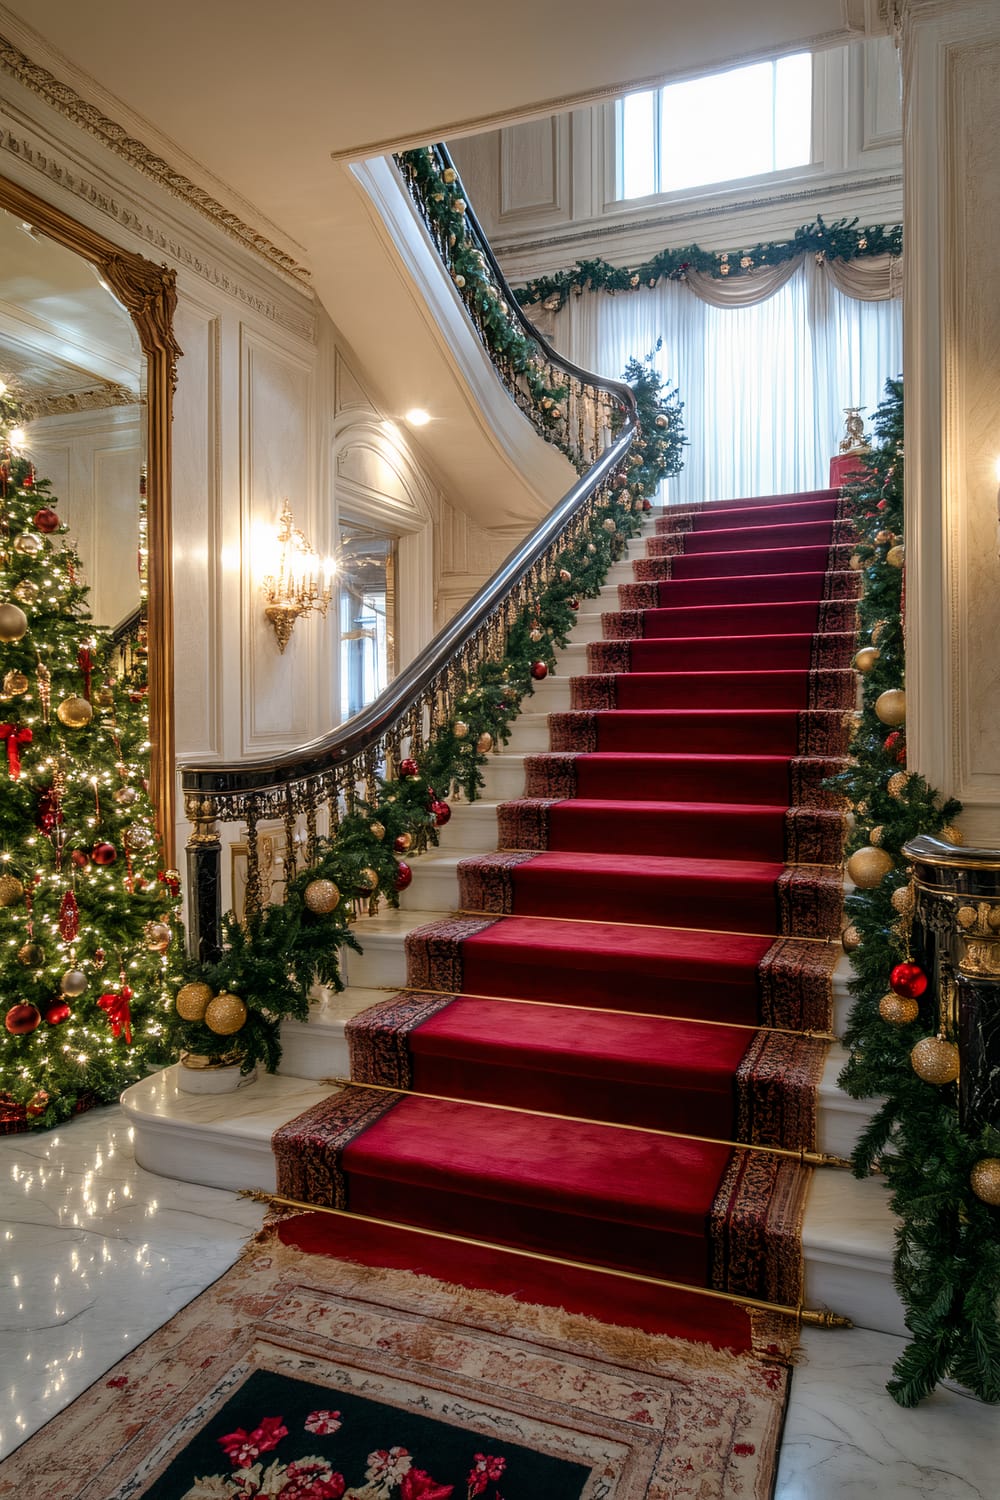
{"x":85,"y":662}
{"x":115,"y":1003}
{"x":15,"y":739}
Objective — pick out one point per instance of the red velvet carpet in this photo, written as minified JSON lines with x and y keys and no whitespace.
{"x":623,"y":1001}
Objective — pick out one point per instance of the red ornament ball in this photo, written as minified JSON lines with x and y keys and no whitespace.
{"x":57,"y":1012}
{"x":573,"y":603}
{"x":46,"y":520}
{"x":539,"y":670}
{"x":409,"y":767}
{"x":442,"y":812}
{"x":104,"y":854}
{"x":80,"y":857}
{"x":22,"y":1018}
{"x":403,"y":875}
{"x":908,"y":980}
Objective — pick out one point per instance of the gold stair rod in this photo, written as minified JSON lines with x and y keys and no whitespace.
{"x":606,"y":1010}
{"x":802,"y":1155}
{"x":812,"y":1317}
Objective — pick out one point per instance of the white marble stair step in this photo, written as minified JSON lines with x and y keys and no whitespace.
{"x":224,"y":1141}
{"x":551,"y":695}
{"x":529,"y":734}
{"x":472,"y":828}
{"x":503,"y":777}
{"x":317,"y":1048}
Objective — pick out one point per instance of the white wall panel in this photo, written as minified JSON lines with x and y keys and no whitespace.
{"x":276,"y":439}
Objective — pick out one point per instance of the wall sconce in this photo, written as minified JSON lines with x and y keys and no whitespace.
{"x":299,"y":586}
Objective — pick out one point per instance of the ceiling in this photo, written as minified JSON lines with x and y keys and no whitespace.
{"x":264,"y":106}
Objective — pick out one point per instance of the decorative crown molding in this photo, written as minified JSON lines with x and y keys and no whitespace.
{"x":97,"y":398}
{"x":68,"y":103}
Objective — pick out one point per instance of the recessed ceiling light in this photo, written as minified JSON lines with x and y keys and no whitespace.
{"x":417,"y":417}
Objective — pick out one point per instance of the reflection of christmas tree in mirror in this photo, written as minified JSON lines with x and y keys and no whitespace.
{"x":88,"y":926}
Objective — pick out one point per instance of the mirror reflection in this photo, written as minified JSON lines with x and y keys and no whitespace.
{"x":71,"y":358}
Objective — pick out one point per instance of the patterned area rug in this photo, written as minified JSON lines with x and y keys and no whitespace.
{"x":299,"y":1377}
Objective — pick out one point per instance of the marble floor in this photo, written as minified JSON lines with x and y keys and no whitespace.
{"x":97,"y":1253}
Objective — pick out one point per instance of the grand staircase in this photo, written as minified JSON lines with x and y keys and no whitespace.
{"x":622,"y":958}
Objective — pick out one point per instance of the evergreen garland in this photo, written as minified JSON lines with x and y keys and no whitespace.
{"x":273,"y":960}
{"x":841,"y":240}
{"x":947,"y":1263}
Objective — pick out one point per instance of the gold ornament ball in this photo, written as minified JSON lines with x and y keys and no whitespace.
{"x":368,"y":879}
{"x":952,"y":835}
{"x":876,"y":835}
{"x":225,"y":1014}
{"x":855,"y":561}
{"x":894,"y":557}
{"x":896,"y":785}
{"x":14,"y":683}
{"x":985,"y":1180}
{"x":13,"y":622}
{"x":881,"y":537}
{"x":32,"y":955}
{"x":377,"y":831}
{"x":903,"y":899}
{"x":661,"y":421}
{"x":73,"y":982}
{"x":935,"y":1060}
{"x":535,"y":633}
{"x":322,"y":896}
{"x":484,"y":744}
{"x":866,"y":658}
{"x":608,"y":524}
{"x":868,"y":866}
{"x":192,"y":1000}
{"x":890,"y":707}
{"x":26,"y":591}
{"x":158,"y":936}
{"x":29,"y":543}
{"x":897,"y":1009}
{"x":74,"y":713}
{"x":11,"y":890}
{"x":403,"y":842}
{"x":460,"y":729}
{"x":850,"y":938}
{"x":565,"y":575}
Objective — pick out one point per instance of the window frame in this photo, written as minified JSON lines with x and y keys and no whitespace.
{"x":614,"y":145}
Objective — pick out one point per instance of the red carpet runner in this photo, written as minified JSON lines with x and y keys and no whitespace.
{"x":645,"y":960}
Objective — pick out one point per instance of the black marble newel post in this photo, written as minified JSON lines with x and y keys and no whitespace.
{"x":204,"y":874}
{"x":956,"y":940}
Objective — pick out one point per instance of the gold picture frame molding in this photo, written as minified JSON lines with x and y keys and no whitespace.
{"x":149,"y":294}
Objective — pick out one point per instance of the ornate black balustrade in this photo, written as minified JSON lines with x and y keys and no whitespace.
{"x":594,"y":421}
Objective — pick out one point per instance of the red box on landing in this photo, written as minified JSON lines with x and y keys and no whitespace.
{"x":846,"y":468}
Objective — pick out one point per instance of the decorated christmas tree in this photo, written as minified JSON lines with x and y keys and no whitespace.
{"x":87,"y":919}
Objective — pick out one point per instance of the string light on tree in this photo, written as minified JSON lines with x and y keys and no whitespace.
{"x":74,"y":949}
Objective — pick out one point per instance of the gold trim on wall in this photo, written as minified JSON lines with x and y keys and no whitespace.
{"x":149,"y":294}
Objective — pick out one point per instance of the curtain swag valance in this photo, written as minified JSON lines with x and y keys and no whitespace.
{"x":863,"y":263}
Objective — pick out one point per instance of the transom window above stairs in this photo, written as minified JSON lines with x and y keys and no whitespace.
{"x":744,"y":122}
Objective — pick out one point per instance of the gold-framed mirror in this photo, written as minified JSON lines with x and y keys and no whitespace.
{"x":148,"y":294}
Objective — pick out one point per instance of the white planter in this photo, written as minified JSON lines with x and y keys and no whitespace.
{"x":197,"y":1075}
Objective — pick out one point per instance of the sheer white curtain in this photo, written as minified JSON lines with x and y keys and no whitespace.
{"x":763,"y":386}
